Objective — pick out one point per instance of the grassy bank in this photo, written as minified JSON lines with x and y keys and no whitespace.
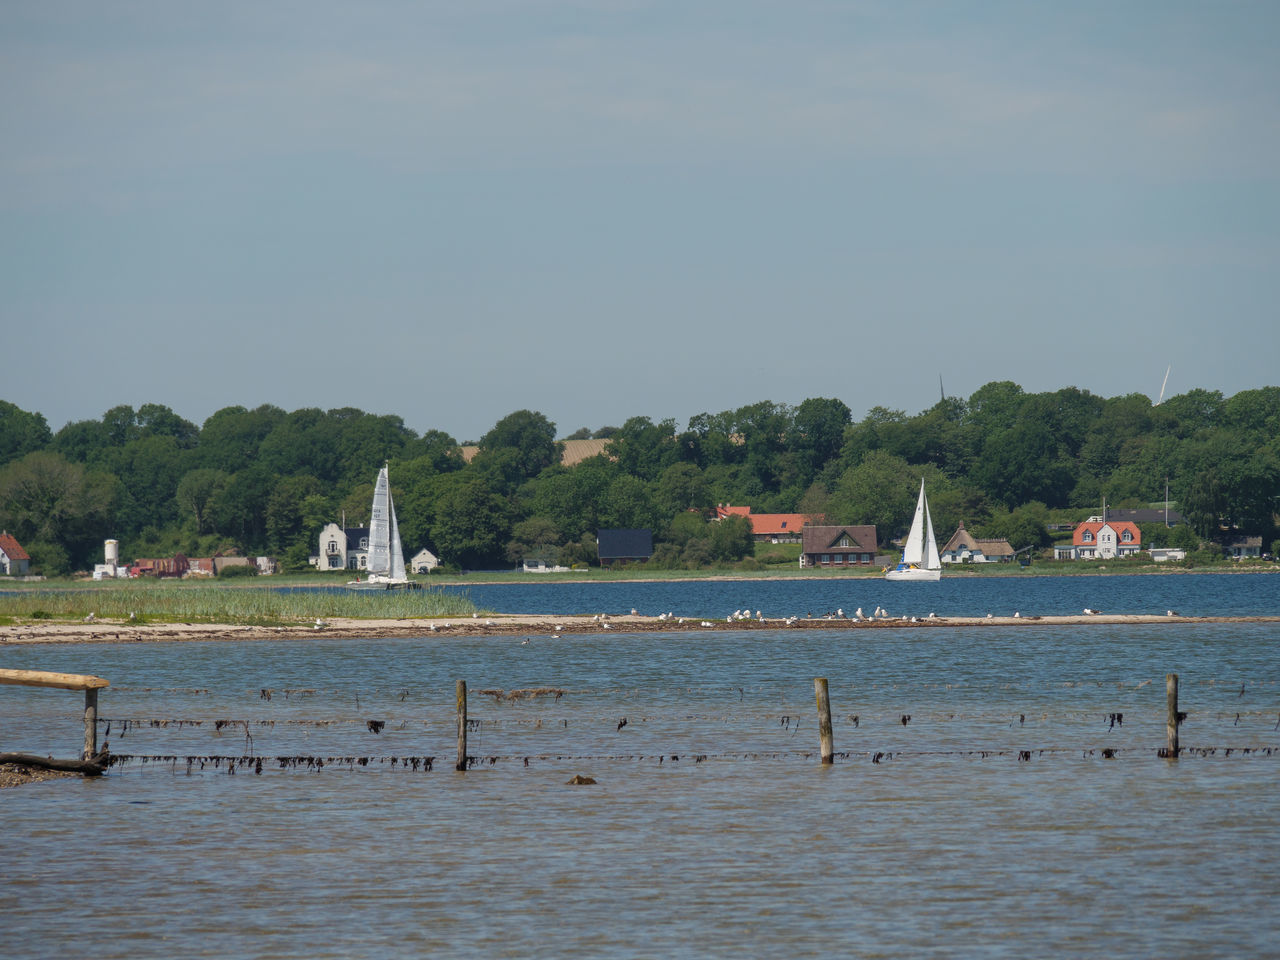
{"x":149,"y":601}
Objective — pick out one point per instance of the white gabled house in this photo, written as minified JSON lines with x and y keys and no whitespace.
{"x":1101,"y":539}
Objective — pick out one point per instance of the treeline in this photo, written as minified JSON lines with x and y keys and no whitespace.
{"x":264,"y":481}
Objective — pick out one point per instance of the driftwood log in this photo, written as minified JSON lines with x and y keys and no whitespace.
{"x":95,"y":766}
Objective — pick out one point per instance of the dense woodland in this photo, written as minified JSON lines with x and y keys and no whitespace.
{"x":264,"y":481}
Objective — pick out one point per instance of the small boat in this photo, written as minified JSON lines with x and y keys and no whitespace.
{"x":920,"y":555}
{"x":386,"y":556}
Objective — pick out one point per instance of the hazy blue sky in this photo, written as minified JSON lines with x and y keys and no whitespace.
{"x":604,"y":208}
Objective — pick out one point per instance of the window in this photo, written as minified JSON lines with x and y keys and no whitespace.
{"x":844,"y":542}
{"x":1087,"y":538}
{"x":838,"y":558}
{"x":1128,"y":537}
{"x":826,"y":558}
{"x":333,"y":546}
{"x":364,"y":543}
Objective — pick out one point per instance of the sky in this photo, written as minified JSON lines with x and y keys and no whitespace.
{"x":612,"y":208}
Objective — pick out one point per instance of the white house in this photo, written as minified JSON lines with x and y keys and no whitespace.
{"x":343,"y":549}
{"x":963,"y":547}
{"x":1100,"y":538}
{"x":1167,"y":554}
{"x":14,"y":561}
{"x":424,"y":561}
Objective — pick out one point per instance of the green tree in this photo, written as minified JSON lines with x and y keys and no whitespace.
{"x":46,"y":499}
{"x":20,"y":432}
{"x":681,"y":487}
{"x":472,"y":524}
{"x":531,"y":435}
{"x":196,"y":491}
{"x":643,"y":448}
{"x":882,"y":490}
{"x":535,"y":537}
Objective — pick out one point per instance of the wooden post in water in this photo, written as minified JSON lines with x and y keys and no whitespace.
{"x":461,"y":765}
{"x":825,"y":737}
{"x":90,"y":723}
{"x":1171,"y":724}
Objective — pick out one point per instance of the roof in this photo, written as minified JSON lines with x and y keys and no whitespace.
{"x":820,"y":538}
{"x":1094,"y":526}
{"x":774,"y":523}
{"x":989,"y":546}
{"x":355,"y":535}
{"x":624,"y":544}
{"x":725,"y":510}
{"x":12,"y":549}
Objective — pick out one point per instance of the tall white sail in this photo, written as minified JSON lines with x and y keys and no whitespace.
{"x":913,"y":552}
{"x":386,"y":557}
{"x":397,"y":554}
{"x":931,"y":559}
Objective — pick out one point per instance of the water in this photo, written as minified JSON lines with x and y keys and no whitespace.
{"x":1190,"y":594}
{"x":712,"y":832}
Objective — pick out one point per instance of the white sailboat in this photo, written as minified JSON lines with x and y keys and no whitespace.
{"x":386,"y":556}
{"x":920,"y":555}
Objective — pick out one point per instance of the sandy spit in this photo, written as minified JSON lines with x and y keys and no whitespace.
{"x":104,"y":631}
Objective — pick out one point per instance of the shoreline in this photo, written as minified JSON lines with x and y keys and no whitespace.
{"x":105,"y":631}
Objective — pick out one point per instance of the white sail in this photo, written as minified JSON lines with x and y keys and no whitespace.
{"x":386,"y":557}
{"x":931,"y":559}
{"x":920,"y":560}
{"x":397,"y":554}
{"x":913,"y":552}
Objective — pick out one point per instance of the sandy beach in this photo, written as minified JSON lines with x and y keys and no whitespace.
{"x":106,"y":631}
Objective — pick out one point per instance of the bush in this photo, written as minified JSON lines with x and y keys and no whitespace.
{"x":244,"y":570}
{"x":775,"y":558}
{"x":750,"y":563}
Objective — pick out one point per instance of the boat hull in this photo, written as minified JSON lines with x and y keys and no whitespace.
{"x":383,"y":585}
{"x":914,"y":574}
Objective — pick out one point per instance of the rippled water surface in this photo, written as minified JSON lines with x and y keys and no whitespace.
{"x":990,"y":824}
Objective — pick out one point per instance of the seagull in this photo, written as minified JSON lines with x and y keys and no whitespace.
{"x":840,"y":612}
{"x":858,"y":613}
{"x":1017,"y":615}
{"x":1174,"y":613}
{"x":1089,"y":611}
{"x":90,"y":618}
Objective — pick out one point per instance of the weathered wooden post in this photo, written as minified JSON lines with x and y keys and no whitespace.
{"x":462,"y":726}
{"x":825,"y":738}
{"x":90,"y":723}
{"x":1171,"y":724}
{"x":67,"y":681}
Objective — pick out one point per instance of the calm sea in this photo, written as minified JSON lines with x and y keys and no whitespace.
{"x":988,"y":824}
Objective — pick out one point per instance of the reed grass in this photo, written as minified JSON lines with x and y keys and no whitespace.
{"x":160,"y":602}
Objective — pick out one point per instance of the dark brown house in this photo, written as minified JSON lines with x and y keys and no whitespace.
{"x":831,"y":546}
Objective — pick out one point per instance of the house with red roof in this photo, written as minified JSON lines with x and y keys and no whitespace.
{"x":770,"y":527}
{"x":1100,"y":538}
{"x":14,"y":561}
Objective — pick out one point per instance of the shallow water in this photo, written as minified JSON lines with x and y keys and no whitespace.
{"x":1196,"y":594}
{"x":712,"y":831}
